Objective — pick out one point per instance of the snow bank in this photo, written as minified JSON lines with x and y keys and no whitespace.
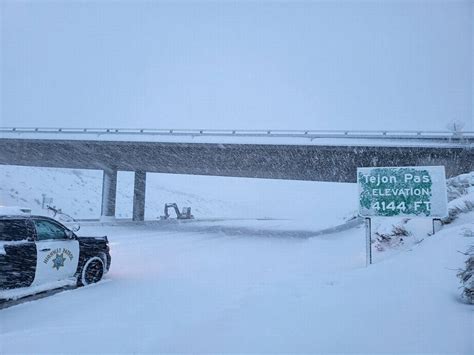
{"x":400,"y":234}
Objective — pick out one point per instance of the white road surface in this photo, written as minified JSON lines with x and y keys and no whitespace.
{"x":203,"y":288}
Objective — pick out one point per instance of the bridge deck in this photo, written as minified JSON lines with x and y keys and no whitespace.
{"x":329,"y":156}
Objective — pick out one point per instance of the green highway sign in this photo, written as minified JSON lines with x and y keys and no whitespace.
{"x":416,"y":191}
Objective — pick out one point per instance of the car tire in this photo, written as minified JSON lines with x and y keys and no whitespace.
{"x":91,"y":272}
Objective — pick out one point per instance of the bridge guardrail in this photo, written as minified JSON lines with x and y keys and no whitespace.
{"x":312,"y":134}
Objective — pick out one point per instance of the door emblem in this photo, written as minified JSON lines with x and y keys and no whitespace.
{"x":58,"y":257}
{"x":58,"y":261}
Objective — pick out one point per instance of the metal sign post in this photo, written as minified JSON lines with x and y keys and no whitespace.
{"x":368,"y":241}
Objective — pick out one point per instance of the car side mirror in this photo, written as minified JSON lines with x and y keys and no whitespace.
{"x":70,"y":234}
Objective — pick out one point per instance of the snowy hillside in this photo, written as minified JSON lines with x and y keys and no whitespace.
{"x":78,"y":193}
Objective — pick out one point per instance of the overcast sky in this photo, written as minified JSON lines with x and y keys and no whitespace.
{"x":307,"y":65}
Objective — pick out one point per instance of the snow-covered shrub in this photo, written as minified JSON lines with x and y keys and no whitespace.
{"x":462,"y":204}
{"x":460,"y":196}
{"x":459,"y":185}
{"x":391,"y":238}
{"x":466,"y":276}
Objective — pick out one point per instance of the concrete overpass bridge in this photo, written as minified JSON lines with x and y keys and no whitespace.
{"x":295,"y":155}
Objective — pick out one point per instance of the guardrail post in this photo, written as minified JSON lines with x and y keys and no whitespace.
{"x":109,"y":193}
{"x":139,"y":196}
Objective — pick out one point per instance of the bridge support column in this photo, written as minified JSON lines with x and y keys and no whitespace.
{"x":139,"y":196}
{"x":109,"y":192}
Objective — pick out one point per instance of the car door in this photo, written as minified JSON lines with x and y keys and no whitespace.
{"x":57,"y":252}
{"x":17,"y":253}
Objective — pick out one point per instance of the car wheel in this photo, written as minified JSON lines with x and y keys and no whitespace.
{"x":92,"y":271}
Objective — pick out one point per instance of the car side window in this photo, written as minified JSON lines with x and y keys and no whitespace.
{"x":46,"y":230}
{"x":13,"y":230}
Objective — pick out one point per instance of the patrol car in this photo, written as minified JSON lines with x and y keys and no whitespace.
{"x":39,"y":253}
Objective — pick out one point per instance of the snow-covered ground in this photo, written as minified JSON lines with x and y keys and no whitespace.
{"x":232,"y":281}
{"x":205,"y":291}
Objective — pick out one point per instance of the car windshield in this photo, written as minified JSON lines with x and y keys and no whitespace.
{"x":48,"y":230}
